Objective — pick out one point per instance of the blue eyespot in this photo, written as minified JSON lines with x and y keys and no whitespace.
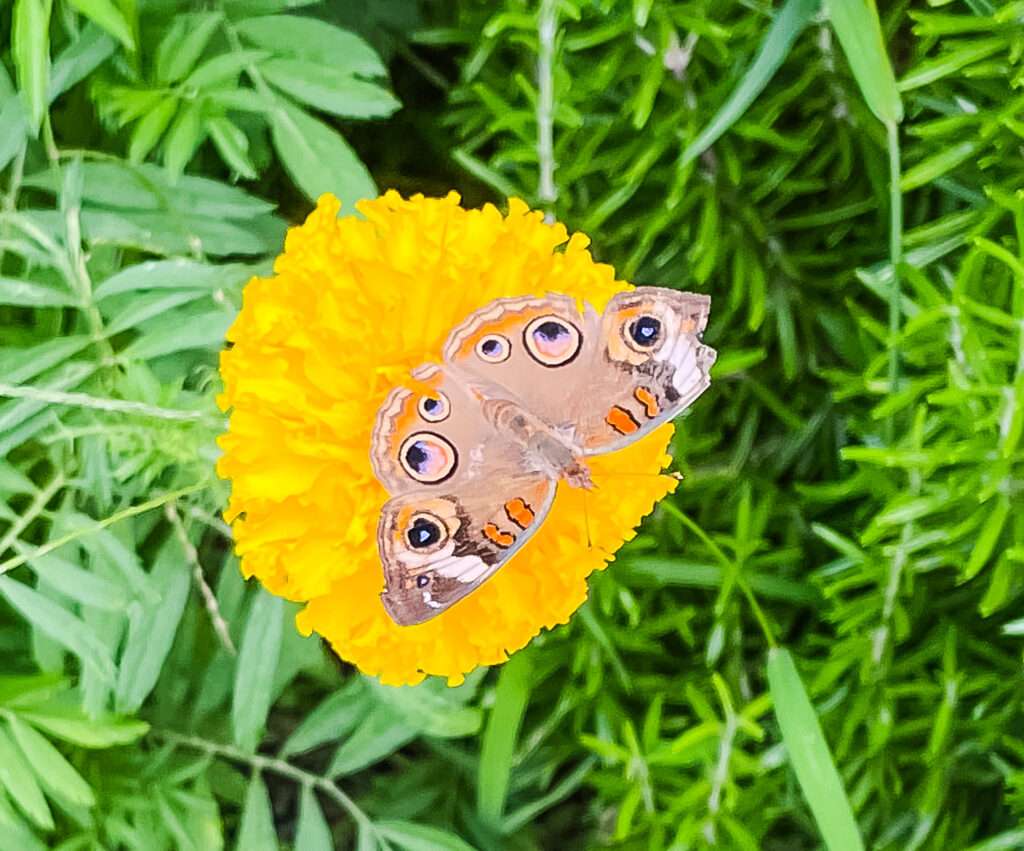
{"x":552,"y":341}
{"x":423,"y":533}
{"x":645,"y":331}
{"x":494,"y":348}
{"x":434,"y":409}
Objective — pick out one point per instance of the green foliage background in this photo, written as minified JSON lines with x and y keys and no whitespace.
{"x":855,"y":475}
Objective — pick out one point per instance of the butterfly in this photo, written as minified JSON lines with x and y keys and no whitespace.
{"x":528,"y":389}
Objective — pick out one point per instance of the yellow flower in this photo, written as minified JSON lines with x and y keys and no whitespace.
{"x":353,"y":305}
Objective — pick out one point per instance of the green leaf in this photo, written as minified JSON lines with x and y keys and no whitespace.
{"x":183,"y":138}
{"x":79,"y":59}
{"x":313,"y":40}
{"x":499,"y":742}
{"x":860,"y":33}
{"x":77,"y":583}
{"x":379,"y":734}
{"x":329,"y":89}
{"x":789,"y":22}
{"x":108,"y":17}
{"x":420,"y":837}
{"x":233,"y":145}
{"x":54,"y":771}
{"x":987,"y":539}
{"x":809,"y":755}
{"x":57,"y":623}
{"x":312,"y":834}
{"x":183,"y":44}
{"x":256,"y":832}
{"x":339,"y":713}
{"x":29,"y":294}
{"x":70,"y":725}
{"x":30,"y":47}
{"x":18,"y":778}
{"x":205,"y":331}
{"x":318,"y":159}
{"x":151,"y":629}
{"x":151,"y":128}
{"x":254,"y":675}
{"x":223,"y":69}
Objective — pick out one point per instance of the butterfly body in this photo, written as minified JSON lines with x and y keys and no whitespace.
{"x":529,"y":388}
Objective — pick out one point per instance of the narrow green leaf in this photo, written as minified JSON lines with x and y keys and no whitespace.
{"x":420,"y":837}
{"x":108,"y":17}
{"x":860,"y":33}
{"x":185,"y":135}
{"x":257,"y":662}
{"x":81,"y":585}
{"x":789,"y":22}
{"x":54,"y":771}
{"x":318,"y":159}
{"x":70,"y":725}
{"x":57,"y":623}
{"x":79,"y":59}
{"x":499,"y":741}
{"x":30,"y":46}
{"x":151,"y":128}
{"x":314,"y":40}
{"x":183,"y":44}
{"x":987,"y":539}
{"x":256,"y":832}
{"x":329,"y":89}
{"x":151,"y":629}
{"x":205,"y":331}
{"x":809,"y":755}
{"x":379,"y":735}
{"x":18,"y":778}
{"x":232,"y":144}
{"x":30,"y":294}
{"x":312,"y":834}
{"x":332,"y":719}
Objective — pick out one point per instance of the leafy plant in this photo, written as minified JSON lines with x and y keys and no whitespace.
{"x":816,"y":640}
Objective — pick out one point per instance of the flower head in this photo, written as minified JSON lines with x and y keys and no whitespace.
{"x":354,"y":305}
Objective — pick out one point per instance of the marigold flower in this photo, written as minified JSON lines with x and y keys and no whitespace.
{"x":353,"y":305}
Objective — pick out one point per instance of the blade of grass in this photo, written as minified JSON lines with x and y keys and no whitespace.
{"x":860,"y":33}
{"x":499,"y":742}
{"x":809,"y":755}
{"x":788,"y":24}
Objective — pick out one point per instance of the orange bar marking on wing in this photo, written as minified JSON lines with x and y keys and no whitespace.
{"x":621,"y":420}
{"x":519,"y":512}
{"x":496,"y":536}
{"x":646,"y":398}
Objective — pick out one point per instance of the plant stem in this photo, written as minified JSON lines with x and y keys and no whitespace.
{"x":547,"y":23}
{"x":258,"y":762}
{"x":896,"y":260}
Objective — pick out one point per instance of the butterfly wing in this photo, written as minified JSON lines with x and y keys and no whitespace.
{"x":650,"y":367}
{"x":609,"y":379}
{"x":437,"y":546}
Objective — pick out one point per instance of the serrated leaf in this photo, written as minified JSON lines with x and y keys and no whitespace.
{"x":318,"y":159}
{"x":257,"y":663}
{"x":54,"y":771}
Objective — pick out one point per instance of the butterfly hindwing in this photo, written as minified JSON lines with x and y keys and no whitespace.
{"x":438,"y":547}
